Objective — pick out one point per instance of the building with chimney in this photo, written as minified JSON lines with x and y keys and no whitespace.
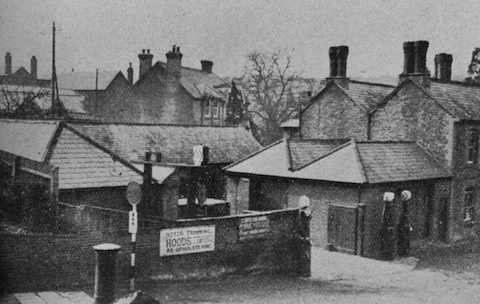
{"x":376,"y":160}
{"x":21,"y":76}
{"x":169,"y":93}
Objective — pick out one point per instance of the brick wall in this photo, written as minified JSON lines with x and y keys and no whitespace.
{"x":334,"y":115}
{"x":43,"y":262}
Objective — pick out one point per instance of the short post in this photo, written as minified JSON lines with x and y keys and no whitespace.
{"x":105,"y":273}
{"x":134,"y":196}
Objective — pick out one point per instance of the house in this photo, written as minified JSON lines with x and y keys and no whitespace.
{"x":22,"y":76}
{"x":95,"y":162}
{"x":97,"y":87}
{"x":340,"y":177}
{"x":423,"y":134}
{"x":169,"y":93}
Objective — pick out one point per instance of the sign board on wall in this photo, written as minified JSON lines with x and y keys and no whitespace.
{"x":187,"y":240}
{"x":253,"y":227}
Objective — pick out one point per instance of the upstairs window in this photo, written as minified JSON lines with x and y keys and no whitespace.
{"x":472,"y":146}
{"x":206,"y":108}
{"x":469,"y":205}
{"x":216,"y":109}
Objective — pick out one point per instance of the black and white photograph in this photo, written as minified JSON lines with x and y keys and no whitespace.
{"x":239,"y":151}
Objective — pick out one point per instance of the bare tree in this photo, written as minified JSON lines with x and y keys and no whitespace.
{"x":17,"y":101}
{"x":474,"y":66}
{"x":268,"y":82}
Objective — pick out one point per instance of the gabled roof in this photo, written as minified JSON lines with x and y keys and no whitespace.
{"x":354,"y":162}
{"x":27,"y":138}
{"x":196,"y":82}
{"x":86,"y":80}
{"x":175,"y":142}
{"x":460,"y":100}
{"x":364,"y":94}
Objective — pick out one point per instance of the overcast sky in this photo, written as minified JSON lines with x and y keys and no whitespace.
{"x":109,"y":34}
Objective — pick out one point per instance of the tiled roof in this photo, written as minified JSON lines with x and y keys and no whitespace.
{"x":73,"y":102}
{"x":459,"y":99}
{"x":85,"y":80}
{"x":303,"y":152}
{"x":367,"y":95}
{"x":174,"y":142}
{"x":27,"y":138}
{"x":359,"y":163}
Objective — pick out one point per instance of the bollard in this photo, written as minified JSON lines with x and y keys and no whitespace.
{"x":105,"y":273}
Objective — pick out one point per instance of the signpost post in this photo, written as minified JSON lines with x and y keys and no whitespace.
{"x":134,"y":196}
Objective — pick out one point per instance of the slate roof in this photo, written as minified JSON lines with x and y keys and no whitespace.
{"x":198,"y":83}
{"x":175,"y":142}
{"x":367,"y":95}
{"x":305,"y":151}
{"x":86,"y":80}
{"x":354,"y":162}
{"x":459,"y":99}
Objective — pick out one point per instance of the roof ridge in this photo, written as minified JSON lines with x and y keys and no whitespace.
{"x":326,"y":154}
{"x":253,"y":154}
{"x":372,"y":83}
{"x":96,"y":122}
{"x":360,"y":164}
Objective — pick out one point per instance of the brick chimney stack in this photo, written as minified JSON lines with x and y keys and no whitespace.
{"x":415,"y":62}
{"x":207,"y":66}
{"x":33,"y":67}
{"x":174,"y":62}
{"x":130,"y":74}
{"x":338,"y":65}
{"x":8,"y":64}
{"x":145,"y":62}
{"x":443,"y":66}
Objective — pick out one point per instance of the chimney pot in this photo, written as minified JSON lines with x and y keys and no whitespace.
{"x":421,"y":48}
{"x":174,"y":62}
{"x":130,"y":74}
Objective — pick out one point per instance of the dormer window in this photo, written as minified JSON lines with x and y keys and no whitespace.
{"x":472,"y":146}
{"x":216,"y":109}
{"x":206,"y":108}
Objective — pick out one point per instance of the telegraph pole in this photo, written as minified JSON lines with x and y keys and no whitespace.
{"x":54,"y":73}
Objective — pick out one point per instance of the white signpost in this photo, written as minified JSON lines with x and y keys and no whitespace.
{"x":185,"y":240}
{"x":134,"y":196}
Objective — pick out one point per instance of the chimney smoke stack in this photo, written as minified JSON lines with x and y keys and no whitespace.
{"x":145,"y":63}
{"x":443,"y":66}
{"x":8,"y":64}
{"x":333,"y":54}
{"x":207,"y":66}
{"x":174,"y":62}
{"x":33,"y":67}
{"x":342,"y":55}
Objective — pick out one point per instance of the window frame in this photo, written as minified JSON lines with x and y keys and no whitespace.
{"x":207,"y":109}
{"x":469,"y":204}
{"x":472,"y":146}
{"x":216,"y":109}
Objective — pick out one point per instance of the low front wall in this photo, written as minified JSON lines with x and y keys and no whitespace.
{"x":45,"y":262}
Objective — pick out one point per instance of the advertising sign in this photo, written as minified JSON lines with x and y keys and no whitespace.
{"x":187,"y":240}
{"x":253,"y":227}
